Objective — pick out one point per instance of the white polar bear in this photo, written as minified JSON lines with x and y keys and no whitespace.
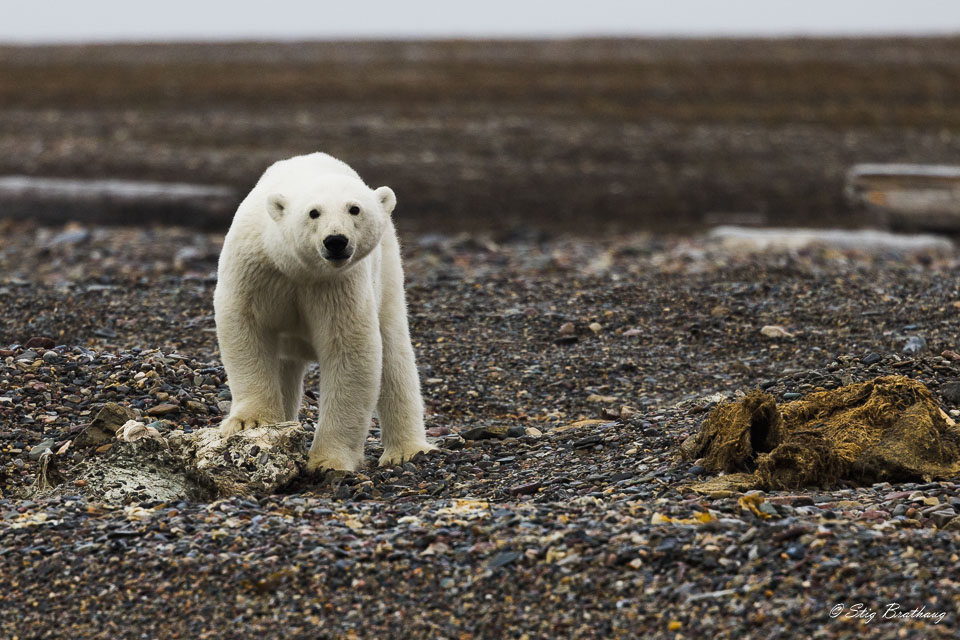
{"x":310,"y":271}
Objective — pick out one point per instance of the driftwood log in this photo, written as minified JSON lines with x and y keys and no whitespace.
{"x":908,"y":196}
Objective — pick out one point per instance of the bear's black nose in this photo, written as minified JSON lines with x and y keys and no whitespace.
{"x":335,"y":244}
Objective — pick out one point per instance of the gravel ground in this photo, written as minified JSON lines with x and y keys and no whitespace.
{"x":560,"y":374}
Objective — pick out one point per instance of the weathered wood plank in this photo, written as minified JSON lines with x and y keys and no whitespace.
{"x":914,"y":196}
{"x":115,"y":201}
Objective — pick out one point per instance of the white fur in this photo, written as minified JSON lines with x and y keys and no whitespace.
{"x":280,"y":304}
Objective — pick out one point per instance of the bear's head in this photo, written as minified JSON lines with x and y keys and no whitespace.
{"x":331,"y":224}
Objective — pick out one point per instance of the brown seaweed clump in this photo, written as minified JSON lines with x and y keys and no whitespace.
{"x":885,"y":429}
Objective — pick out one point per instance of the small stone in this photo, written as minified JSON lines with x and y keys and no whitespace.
{"x":436,"y":432}
{"x":627,"y":412}
{"x":915,"y":344}
{"x":486,"y":433}
{"x":533,"y":432}
{"x":596,"y":327}
{"x":39,"y":342}
{"x":104,"y":448}
{"x":593,"y":397}
{"x":51,"y":357}
{"x":796,"y":552}
{"x":951,"y":355}
{"x":792,"y":395}
{"x":162,"y":409}
{"x":697,"y":470}
{"x":195,"y":407}
{"x":775,"y":331}
{"x":567,"y":329}
{"x":104,"y":426}
{"x":516,"y":432}
{"x":952,"y":525}
{"x":525,"y":489}
{"x":871,"y":358}
{"x":629,"y":333}
{"x":503,"y":558}
{"x":768,"y":509}
{"x":40,"y":448}
{"x":942,"y":518}
{"x":951,"y":392}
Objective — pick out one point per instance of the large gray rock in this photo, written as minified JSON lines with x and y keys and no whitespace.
{"x":192,"y":466}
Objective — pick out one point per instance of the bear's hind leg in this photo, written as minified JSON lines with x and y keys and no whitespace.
{"x":291,"y":384}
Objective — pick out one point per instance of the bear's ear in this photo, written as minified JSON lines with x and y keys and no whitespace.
{"x":387,"y":199}
{"x":276,"y":204}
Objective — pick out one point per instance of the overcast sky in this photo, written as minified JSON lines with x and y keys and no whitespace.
{"x":100,"y":20}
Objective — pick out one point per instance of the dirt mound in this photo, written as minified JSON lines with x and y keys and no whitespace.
{"x":886,"y":429}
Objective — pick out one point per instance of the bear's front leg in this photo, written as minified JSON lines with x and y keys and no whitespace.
{"x":400,"y":407}
{"x":350,"y":358}
{"x":252,"y":363}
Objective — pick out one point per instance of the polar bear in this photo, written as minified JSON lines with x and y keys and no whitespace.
{"x":310,"y":271}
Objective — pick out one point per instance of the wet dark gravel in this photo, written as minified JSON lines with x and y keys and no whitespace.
{"x":560,"y":376}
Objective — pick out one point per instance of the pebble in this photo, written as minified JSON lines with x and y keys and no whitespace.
{"x":915,"y":344}
{"x":871,"y":358}
{"x":775,"y":331}
{"x":162,"y":409}
{"x":951,"y":392}
{"x":38,"y":449}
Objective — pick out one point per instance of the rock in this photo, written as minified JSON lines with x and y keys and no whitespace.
{"x":952,"y":525}
{"x":951,"y":355}
{"x":503,"y":558}
{"x":197,"y":466}
{"x":593,"y":397}
{"x":39,"y":342}
{"x":629,"y":333}
{"x":436,"y":432}
{"x":40,"y":448}
{"x":792,"y":395}
{"x":104,"y":426}
{"x":133,"y":430}
{"x":567,"y":329}
{"x":194,"y":407}
{"x":951,"y":392}
{"x":942,"y":518}
{"x":51,"y":357}
{"x":775,"y":331}
{"x":533,"y":432}
{"x":871,"y":358}
{"x":796,"y":552}
{"x":486,"y":433}
{"x":162,"y":409}
{"x":696,"y":470}
{"x":596,"y":327}
{"x":915,"y":344}
{"x":525,"y":489}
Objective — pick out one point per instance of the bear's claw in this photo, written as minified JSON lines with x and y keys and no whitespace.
{"x":399,"y":456}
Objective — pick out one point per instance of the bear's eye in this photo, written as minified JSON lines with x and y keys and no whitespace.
{"x":354,"y":210}
{"x":314,"y":214}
